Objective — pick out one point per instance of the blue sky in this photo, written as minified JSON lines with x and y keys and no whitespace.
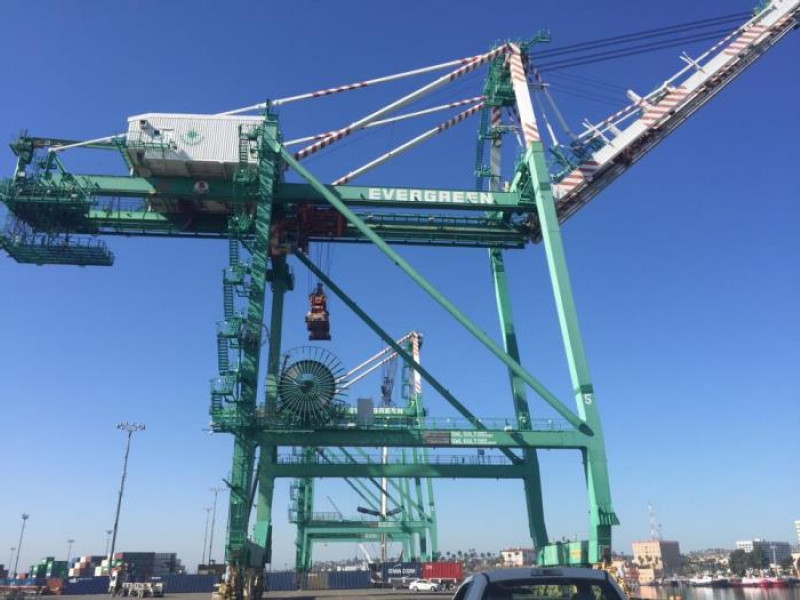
{"x":684,"y":273}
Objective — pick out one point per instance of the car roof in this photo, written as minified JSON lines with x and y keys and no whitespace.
{"x":545,"y":572}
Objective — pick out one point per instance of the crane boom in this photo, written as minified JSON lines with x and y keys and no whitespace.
{"x":610,"y":147}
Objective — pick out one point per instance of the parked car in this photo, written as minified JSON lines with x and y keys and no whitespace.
{"x":423,"y":585}
{"x":547,"y":583}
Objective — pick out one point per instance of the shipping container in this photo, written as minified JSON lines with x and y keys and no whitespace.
{"x":348,"y":580}
{"x":314,"y":580}
{"x":93,"y":585}
{"x":401,"y":571}
{"x":281,"y":581}
{"x":443,"y":570}
{"x":187,"y":584}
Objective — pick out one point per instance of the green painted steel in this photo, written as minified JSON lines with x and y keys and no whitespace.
{"x":467,"y":323}
{"x":410,"y":535}
{"x":411,"y":436}
{"x":258,"y":211}
{"x":601,"y":511}
{"x":237,"y":551}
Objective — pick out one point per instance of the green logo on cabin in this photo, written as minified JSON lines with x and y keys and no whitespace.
{"x":191,"y":137}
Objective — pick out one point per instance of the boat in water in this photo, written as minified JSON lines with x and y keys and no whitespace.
{"x":707,"y":580}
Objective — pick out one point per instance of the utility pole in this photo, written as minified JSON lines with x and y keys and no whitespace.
{"x":205,"y":535}
{"x":69,"y":549}
{"x":25,"y":518}
{"x":130,"y":429}
{"x":214,"y":491}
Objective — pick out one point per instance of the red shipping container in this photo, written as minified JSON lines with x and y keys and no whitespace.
{"x":443,"y":570}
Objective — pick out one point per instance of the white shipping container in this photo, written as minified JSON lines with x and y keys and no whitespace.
{"x":186,"y":145}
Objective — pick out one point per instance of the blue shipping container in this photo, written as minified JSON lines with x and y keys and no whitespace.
{"x":187,"y":584}
{"x":348,"y":580}
{"x":94,"y":585}
{"x":281,"y":581}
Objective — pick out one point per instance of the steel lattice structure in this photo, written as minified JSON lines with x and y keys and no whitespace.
{"x":237,"y":188}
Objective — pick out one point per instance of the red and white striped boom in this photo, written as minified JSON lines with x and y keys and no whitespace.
{"x":632,"y":132}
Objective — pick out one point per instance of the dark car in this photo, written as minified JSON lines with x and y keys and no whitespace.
{"x":554,"y":583}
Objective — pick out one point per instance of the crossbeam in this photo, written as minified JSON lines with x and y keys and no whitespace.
{"x":419,"y":438}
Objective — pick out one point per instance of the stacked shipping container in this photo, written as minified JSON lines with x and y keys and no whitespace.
{"x":86,"y":566}
{"x":49,"y":567}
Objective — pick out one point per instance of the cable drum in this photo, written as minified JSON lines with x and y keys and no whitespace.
{"x":310,"y":388}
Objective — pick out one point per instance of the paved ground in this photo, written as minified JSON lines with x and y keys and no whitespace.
{"x":368,"y":594}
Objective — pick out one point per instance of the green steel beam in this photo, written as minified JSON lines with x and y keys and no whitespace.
{"x":245,"y":405}
{"x":602,"y":515}
{"x":533,"y":481}
{"x":450,"y":471}
{"x":393,"y":484}
{"x":359,"y":527}
{"x":222,"y":190}
{"x":419,"y":438}
{"x":281,"y":281}
{"x":401,"y":197}
{"x":468,"y":324}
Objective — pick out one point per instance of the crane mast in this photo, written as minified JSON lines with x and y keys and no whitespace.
{"x":226,"y":176}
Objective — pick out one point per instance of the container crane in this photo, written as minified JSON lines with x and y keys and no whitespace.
{"x":412,"y":502}
{"x":237,"y":188}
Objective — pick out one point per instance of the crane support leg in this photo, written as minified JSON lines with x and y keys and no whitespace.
{"x":262,"y":531}
{"x":281,"y":281}
{"x":305,"y":504}
{"x":532,"y":481}
{"x":242,"y":576}
{"x":602,"y":515}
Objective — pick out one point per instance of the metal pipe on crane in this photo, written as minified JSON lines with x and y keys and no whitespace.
{"x":404,"y":101}
{"x":353,"y":86}
{"x":396,"y":119}
{"x":409,"y":144}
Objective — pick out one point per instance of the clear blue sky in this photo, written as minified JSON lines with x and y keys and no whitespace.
{"x":685,"y":274}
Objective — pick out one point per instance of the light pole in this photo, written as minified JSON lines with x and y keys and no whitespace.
{"x":25,"y":518}
{"x":69,"y":549}
{"x":205,"y":535}
{"x":130,"y":429}
{"x":108,"y":538}
{"x":11,"y":558}
{"x":214,"y":491}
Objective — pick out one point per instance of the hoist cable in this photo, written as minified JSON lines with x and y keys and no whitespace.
{"x":638,"y":36}
{"x":595,"y":58}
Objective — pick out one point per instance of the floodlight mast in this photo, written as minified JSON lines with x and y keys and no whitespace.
{"x":247,"y":200}
{"x":129,"y":429}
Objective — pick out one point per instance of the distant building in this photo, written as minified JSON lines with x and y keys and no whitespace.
{"x":656,"y":559}
{"x":797,"y":529}
{"x":774,"y":552}
{"x":518,"y":557}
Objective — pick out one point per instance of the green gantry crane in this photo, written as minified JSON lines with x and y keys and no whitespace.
{"x":402,"y":510}
{"x":226,"y":176}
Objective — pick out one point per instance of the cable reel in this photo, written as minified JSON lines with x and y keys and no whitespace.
{"x":310,"y":388}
